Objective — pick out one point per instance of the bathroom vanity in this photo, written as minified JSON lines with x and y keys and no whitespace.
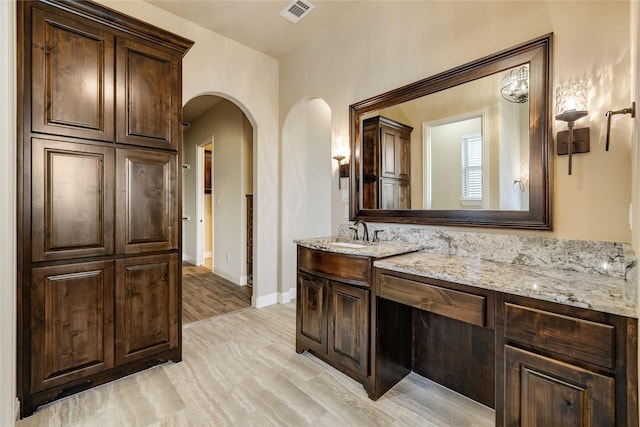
{"x":333,"y":300}
{"x":541,"y":346}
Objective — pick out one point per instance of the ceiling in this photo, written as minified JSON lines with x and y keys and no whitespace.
{"x":258,"y":24}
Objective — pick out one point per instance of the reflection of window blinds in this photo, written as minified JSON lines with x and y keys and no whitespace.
{"x":472,"y":167}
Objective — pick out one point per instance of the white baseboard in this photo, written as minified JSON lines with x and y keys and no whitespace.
{"x":264,"y":300}
{"x":188,"y":259}
{"x":243,"y":280}
{"x":230,"y":277}
{"x":287,"y":296}
{"x":16,"y":410}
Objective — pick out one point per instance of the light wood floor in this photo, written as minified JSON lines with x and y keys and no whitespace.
{"x":241,"y":369}
{"x":206,"y":295}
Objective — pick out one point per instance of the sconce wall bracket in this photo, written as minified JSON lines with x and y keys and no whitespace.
{"x":344,"y":170}
{"x":581,"y":141}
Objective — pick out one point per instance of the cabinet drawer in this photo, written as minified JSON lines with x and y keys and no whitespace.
{"x":340,"y":266}
{"x":577,"y":338}
{"x":457,"y":305}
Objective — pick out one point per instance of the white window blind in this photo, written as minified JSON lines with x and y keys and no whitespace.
{"x":472,"y":166}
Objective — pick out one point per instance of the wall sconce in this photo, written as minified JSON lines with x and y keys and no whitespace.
{"x":515,"y":85}
{"x":343,"y":169}
{"x":571,"y":105}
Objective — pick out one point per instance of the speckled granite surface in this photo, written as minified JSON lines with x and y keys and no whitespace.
{"x":606,"y":258}
{"x":596,"y":292}
{"x":584,"y":273}
{"x":352,"y":247}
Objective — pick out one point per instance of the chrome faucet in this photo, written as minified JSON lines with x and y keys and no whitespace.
{"x":365,"y":235}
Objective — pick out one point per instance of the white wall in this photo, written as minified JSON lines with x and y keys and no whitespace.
{"x":7,"y":213}
{"x":379,"y":46}
{"x":220,"y":66}
{"x":306,"y":176}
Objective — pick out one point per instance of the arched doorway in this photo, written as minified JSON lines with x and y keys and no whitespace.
{"x":218,"y":172}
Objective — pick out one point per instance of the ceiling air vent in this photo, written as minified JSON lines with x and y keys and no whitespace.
{"x":297,"y":10}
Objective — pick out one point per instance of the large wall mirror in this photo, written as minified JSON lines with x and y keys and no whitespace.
{"x":469,"y":146}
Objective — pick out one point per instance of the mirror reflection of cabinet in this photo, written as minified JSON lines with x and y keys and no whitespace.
{"x":386,"y":155}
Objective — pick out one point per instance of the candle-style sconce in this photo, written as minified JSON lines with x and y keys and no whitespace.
{"x":341,"y":152}
{"x":571,"y":105}
{"x":631,"y":110}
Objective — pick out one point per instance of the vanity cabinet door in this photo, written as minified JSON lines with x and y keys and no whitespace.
{"x":71,"y":200}
{"x":73,"y":73}
{"x":71,"y":322}
{"x":541,"y":391}
{"x":146,"y":201}
{"x":311,"y":314}
{"x":147,"y":306}
{"x":148,"y":93}
{"x":349,"y":327}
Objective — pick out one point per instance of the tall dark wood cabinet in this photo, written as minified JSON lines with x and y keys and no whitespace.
{"x":99,"y":138}
{"x":386,"y":159}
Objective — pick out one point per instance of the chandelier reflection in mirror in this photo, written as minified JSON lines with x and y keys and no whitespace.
{"x":515,"y":85}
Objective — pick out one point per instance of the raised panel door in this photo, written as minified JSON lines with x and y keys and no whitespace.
{"x":403,"y":157}
{"x":540,"y":391}
{"x":146,"y":306}
{"x":72,"y":77}
{"x":348,"y":327}
{"x":146,"y":202}
{"x":148,"y":95}
{"x":71,"y":322}
{"x":389,"y":147}
{"x":72,"y":200}
{"x":311,"y":317}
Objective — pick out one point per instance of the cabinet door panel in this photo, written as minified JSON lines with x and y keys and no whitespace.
{"x":147,"y":96}
{"x":403,"y":157}
{"x":389,"y":149}
{"x":545,"y":392}
{"x":73,"y":74}
{"x":146,"y":306}
{"x":311,"y":318}
{"x":146,"y":205}
{"x":71,"y":322}
{"x":72,"y":200}
{"x":349,"y":326}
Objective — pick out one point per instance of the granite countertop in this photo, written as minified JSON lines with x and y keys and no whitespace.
{"x":358,"y":247}
{"x":584,"y":290}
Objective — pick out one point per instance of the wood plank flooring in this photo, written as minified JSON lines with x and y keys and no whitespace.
{"x":206,"y":295}
{"x":241,"y":369}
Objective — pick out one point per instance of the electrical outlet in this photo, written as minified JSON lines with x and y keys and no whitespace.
{"x":228,"y":257}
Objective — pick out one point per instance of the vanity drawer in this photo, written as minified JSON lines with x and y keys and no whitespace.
{"x":576,"y":338}
{"x":347,"y":268}
{"x":450,"y":303}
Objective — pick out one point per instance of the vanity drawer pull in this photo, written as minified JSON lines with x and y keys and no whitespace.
{"x":577,"y":338}
{"x":445,"y":302}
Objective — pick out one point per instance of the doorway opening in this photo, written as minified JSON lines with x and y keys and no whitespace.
{"x":217,"y":158}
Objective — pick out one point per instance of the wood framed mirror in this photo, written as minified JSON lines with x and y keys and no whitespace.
{"x":470,"y":146}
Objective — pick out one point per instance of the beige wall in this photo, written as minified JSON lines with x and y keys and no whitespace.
{"x":355,"y":60}
{"x":306,"y":174}
{"x":635,"y":91}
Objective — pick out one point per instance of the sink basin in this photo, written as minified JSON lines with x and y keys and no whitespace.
{"x":348,"y":245}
